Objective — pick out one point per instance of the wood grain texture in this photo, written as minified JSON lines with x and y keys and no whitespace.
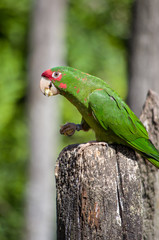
{"x":150,"y":174}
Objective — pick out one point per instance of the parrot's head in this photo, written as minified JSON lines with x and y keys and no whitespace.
{"x":56,"y":80}
{"x":64,"y":81}
{"x":47,"y":82}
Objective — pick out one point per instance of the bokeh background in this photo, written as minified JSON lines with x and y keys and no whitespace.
{"x":93,"y":36}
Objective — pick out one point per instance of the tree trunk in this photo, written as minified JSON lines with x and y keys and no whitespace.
{"x":46,"y":50}
{"x":144,"y":57}
{"x":107,"y":192}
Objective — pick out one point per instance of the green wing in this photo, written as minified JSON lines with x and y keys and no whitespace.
{"x":113,"y":113}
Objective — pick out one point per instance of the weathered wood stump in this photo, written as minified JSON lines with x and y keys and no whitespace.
{"x":107,"y":192}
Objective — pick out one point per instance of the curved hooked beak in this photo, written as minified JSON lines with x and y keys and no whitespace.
{"x":47,"y":87}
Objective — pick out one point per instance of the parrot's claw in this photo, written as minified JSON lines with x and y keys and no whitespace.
{"x":69,"y":129}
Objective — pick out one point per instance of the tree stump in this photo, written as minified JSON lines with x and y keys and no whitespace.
{"x":150,"y":174}
{"x":107,"y":192}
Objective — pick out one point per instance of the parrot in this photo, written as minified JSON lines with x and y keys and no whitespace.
{"x":101,"y":108}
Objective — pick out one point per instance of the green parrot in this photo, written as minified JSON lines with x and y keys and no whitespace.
{"x":101,"y":108}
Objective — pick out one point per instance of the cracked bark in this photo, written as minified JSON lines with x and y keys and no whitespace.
{"x":109,"y":192}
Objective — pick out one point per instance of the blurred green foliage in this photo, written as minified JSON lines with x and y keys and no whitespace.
{"x":97,"y":33}
{"x":13,"y":130}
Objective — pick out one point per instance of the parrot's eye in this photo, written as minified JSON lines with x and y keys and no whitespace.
{"x":56,"y":74}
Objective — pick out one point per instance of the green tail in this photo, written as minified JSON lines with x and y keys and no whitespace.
{"x":154,"y":161}
{"x":146,"y":149}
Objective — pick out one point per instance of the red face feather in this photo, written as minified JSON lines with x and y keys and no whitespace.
{"x":63,"y":85}
{"x":55,"y":76}
{"x":47,"y":74}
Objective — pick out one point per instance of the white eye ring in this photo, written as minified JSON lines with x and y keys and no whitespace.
{"x":56,"y":74}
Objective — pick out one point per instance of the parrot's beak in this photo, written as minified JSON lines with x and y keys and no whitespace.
{"x":47,"y":87}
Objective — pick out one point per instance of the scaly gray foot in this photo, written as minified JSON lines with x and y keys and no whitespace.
{"x":69,"y":129}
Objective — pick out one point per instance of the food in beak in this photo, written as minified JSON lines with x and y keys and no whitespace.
{"x":47,"y":87}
